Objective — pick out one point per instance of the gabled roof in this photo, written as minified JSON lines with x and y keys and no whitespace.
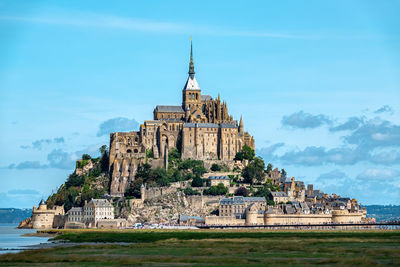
{"x":279,"y":194}
{"x":191,"y":84}
{"x":169,"y":109}
{"x":101,"y":202}
{"x":206,"y":97}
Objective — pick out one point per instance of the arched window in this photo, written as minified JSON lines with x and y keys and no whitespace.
{"x":129,"y":151}
{"x":135,"y":150}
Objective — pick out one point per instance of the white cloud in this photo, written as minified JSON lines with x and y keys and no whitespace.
{"x":378,"y":174}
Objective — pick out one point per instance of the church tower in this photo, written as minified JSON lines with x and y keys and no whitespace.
{"x":191,"y":93}
{"x":241,"y":127}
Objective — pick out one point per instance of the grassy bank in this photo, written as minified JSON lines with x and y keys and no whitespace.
{"x":216,"y":247}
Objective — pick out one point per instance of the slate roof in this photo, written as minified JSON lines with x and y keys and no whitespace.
{"x":200,"y":125}
{"x":206,"y":97}
{"x":227,"y":125}
{"x":218,"y":178}
{"x":101,"y":202}
{"x":289,"y":209}
{"x":75,"y":209}
{"x":169,"y":109}
{"x":191,"y":84}
{"x":304,"y":205}
{"x":279,"y":194}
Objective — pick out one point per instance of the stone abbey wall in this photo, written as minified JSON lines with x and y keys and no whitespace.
{"x":297,"y":218}
{"x":223,"y":220}
{"x":343,"y":216}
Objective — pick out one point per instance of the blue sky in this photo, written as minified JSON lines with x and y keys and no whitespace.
{"x":317,"y":83}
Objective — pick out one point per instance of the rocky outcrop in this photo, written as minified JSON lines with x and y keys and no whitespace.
{"x":167,"y":208}
{"x":25,"y":224}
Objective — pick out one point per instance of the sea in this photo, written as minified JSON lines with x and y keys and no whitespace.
{"x":12,"y":239}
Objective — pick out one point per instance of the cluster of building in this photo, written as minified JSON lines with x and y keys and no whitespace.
{"x":293,"y":204}
{"x":97,"y":213}
{"x":201,"y":128}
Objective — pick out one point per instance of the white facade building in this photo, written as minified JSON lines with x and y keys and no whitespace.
{"x":93,"y":211}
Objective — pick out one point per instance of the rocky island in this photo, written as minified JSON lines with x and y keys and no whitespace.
{"x":191,"y":164}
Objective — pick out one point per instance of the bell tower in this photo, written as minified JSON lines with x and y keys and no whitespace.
{"x":191,"y":93}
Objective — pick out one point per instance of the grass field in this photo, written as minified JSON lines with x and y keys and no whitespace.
{"x":217,"y":247}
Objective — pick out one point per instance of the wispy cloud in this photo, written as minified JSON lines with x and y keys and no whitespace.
{"x":384,"y":109}
{"x":39,"y":144}
{"x":303,"y":120}
{"x":117,"y":125}
{"x":135,"y":24}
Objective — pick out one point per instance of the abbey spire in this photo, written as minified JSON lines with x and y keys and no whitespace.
{"x":191,"y":64}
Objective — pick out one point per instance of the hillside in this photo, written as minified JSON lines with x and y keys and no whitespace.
{"x":12,"y":215}
{"x":384,"y":212}
{"x":89,"y":180}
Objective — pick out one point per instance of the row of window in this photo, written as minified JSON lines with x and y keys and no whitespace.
{"x":193,"y":96}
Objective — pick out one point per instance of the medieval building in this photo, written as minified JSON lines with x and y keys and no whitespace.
{"x":201,"y":128}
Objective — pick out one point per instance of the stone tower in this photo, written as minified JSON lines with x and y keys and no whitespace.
{"x":241,"y":130}
{"x":191,"y":93}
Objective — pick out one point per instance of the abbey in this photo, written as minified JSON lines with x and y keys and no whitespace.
{"x":200,"y":128}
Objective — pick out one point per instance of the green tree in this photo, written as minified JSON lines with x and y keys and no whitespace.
{"x":103,"y":149}
{"x":216,"y":190}
{"x":174,"y":157}
{"x":215,"y":168}
{"x":241,"y":191}
{"x":246,"y":153}
{"x":199,"y":170}
{"x":197,"y":182}
{"x":190,"y":192}
{"x":269,"y":168}
{"x":265,"y":192}
{"x":134,"y":188}
{"x":86,"y":157}
{"x":149,"y":153}
{"x":74,"y":180}
{"x":254,"y":171}
{"x":143,"y":171}
{"x":283,"y":173}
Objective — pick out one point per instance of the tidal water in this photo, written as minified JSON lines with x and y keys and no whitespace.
{"x":12,"y":239}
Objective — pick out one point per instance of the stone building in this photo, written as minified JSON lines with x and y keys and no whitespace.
{"x":45,"y":218}
{"x":279,"y":197}
{"x":236,"y":206}
{"x":91,"y":214}
{"x":216,"y":180}
{"x":200,"y":128}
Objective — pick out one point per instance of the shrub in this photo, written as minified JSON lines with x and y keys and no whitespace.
{"x":254,"y":171}
{"x":86,"y":157}
{"x":215,"y":167}
{"x":190,"y":192}
{"x":220,"y":189}
{"x":241,"y":191}
{"x":74,"y":180}
{"x":150,"y":153}
{"x":246,"y":153}
{"x":197,"y":182}
{"x":174,"y":156}
{"x":81,"y":163}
